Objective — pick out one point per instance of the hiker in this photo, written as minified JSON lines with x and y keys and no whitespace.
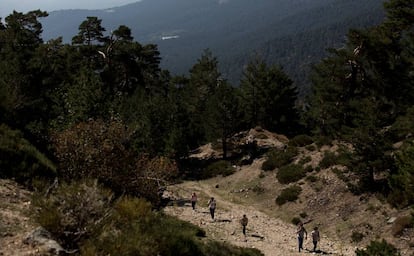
{"x":315,"y":237}
{"x":212,"y":206}
{"x":193,"y":200}
{"x":302,"y":233}
{"x":244,"y":222}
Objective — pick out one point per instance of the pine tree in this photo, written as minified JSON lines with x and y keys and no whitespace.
{"x":268,"y":98}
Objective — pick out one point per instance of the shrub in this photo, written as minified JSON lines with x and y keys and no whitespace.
{"x":340,"y":174}
{"x":309,"y":168}
{"x":133,"y":229}
{"x":268,"y":165}
{"x":20,"y":159}
{"x":312,"y":178}
{"x":376,"y":248}
{"x":343,"y":157}
{"x":323,"y":140}
{"x":310,"y":147}
{"x":289,"y":194}
{"x":220,"y":167}
{"x":72,"y":211}
{"x":305,"y":160}
{"x":303,"y":215}
{"x":329,"y":159}
{"x":278,"y":158}
{"x":402,"y":180}
{"x":356,"y":237}
{"x":221,"y":249}
{"x":290,"y":173}
{"x":295,"y":220}
{"x":301,"y":140}
{"x":258,"y":189}
{"x":97,"y":149}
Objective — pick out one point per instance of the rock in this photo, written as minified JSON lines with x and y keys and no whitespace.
{"x":391,"y":220}
{"x":40,"y":237}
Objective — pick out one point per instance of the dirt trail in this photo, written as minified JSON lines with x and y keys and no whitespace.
{"x":14,"y":219}
{"x":270,"y":235}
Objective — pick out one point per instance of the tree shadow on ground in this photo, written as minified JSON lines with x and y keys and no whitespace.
{"x":319,"y":252}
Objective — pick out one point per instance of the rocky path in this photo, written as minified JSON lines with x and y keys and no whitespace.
{"x":14,"y":220}
{"x":270,"y":235}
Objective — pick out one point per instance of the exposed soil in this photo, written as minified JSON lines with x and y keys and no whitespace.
{"x":15,"y":222}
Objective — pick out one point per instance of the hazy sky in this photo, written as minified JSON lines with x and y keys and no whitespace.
{"x":7,"y":6}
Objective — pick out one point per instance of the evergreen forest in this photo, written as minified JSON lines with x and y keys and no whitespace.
{"x":102,"y":117}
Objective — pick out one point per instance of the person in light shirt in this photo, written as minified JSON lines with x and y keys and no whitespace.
{"x":315,"y":237}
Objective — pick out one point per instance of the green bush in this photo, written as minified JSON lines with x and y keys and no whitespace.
{"x":71,"y":212}
{"x":305,"y":160}
{"x":343,"y":157}
{"x":312,"y":178}
{"x":222,"y":249}
{"x":401,"y":181}
{"x":376,"y":248}
{"x":301,"y":140}
{"x":295,"y":220}
{"x":310,"y":147}
{"x":278,"y":158}
{"x":329,"y":159}
{"x":356,"y":237}
{"x":268,"y":165}
{"x":290,"y":173}
{"x":340,"y":174}
{"x":289,"y":194}
{"x":323,"y":140}
{"x":221,"y":167}
{"x":20,"y":159}
{"x":309,"y":168}
{"x":134,"y":229}
{"x":258,"y":189}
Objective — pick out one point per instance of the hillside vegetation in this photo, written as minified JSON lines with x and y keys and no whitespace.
{"x":98,"y":132}
{"x":291,"y":33}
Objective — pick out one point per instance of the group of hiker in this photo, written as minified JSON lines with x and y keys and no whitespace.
{"x":211,"y":204}
{"x":300,"y":232}
{"x":303,"y":234}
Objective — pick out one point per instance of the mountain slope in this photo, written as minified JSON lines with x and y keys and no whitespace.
{"x":346,"y":221}
{"x":285,"y":32}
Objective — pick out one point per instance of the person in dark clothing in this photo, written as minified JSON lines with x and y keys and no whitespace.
{"x":212,"y":206}
{"x":244,"y":222}
{"x":302,"y":233}
{"x":193,"y":200}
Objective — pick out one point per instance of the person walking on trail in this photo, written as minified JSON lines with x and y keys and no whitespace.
{"x":302,"y":233}
{"x":244,"y":222}
{"x":315,"y":237}
{"x":212,"y":206}
{"x":193,"y":200}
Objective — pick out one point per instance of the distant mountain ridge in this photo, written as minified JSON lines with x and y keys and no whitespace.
{"x":234,"y":29}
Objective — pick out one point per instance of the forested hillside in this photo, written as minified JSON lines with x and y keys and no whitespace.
{"x":97,"y":128}
{"x":290,"y":33}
